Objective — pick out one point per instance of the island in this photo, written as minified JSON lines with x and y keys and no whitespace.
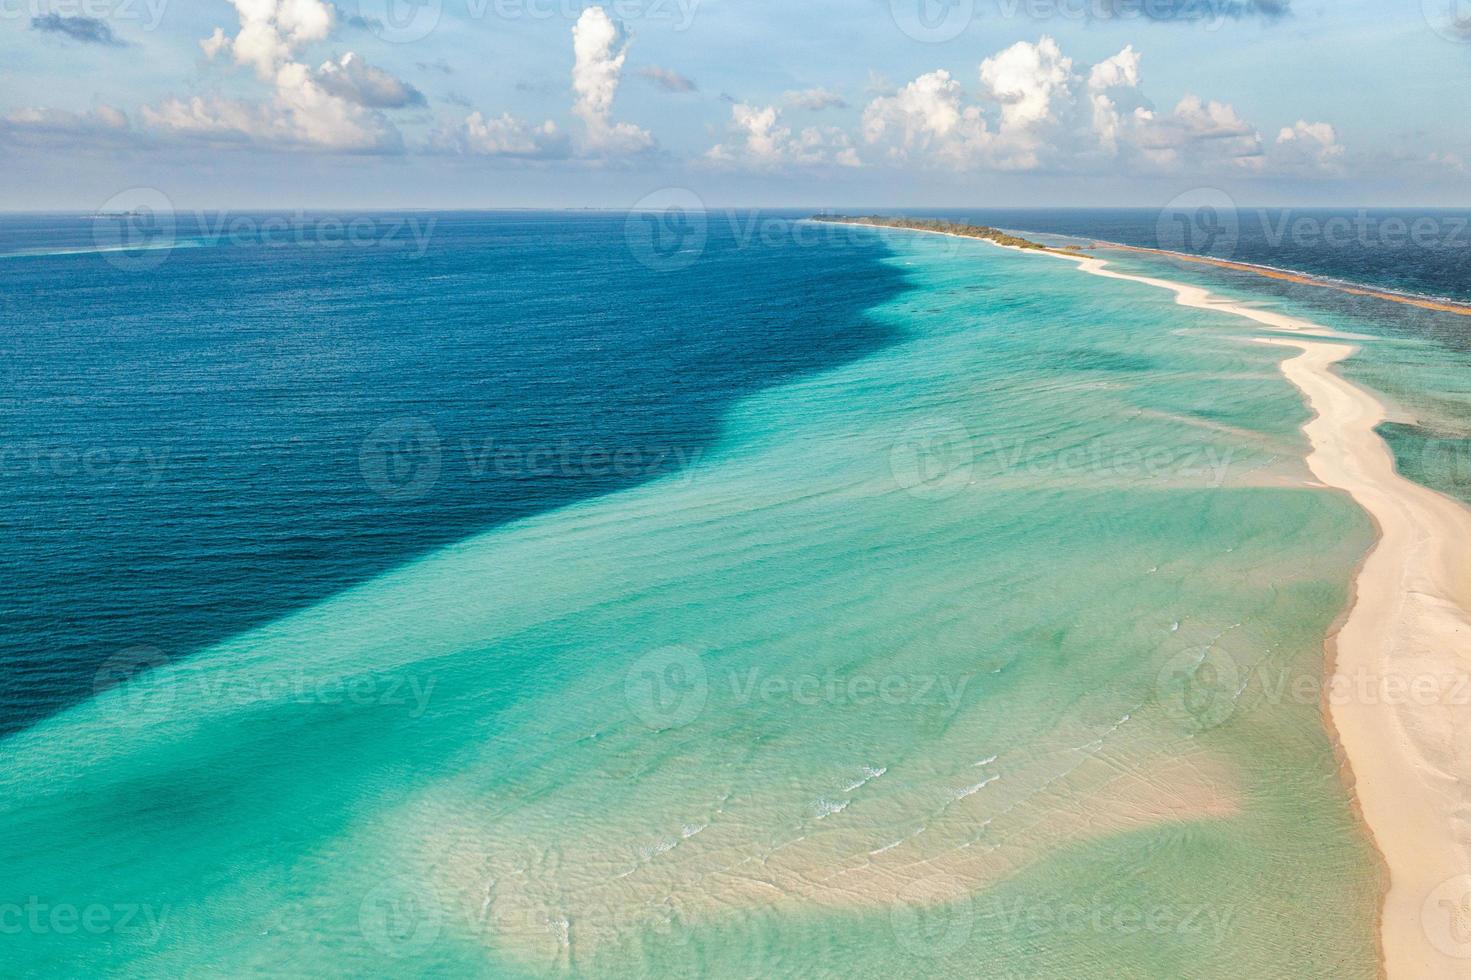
{"x":939,"y":227}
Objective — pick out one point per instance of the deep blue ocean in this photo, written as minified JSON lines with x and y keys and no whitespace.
{"x":262,"y":409}
{"x":219,"y":432}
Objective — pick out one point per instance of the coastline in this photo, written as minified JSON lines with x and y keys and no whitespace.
{"x":1266,"y":272}
{"x":1409,"y":614}
{"x":997,"y":237}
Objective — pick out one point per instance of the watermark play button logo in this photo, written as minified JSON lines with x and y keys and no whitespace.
{"x":1451,"y":19}
{"x":667,"y":230}
{"x":932,"y":21}
{"x":400,"y":21}
{"x":667,"y":688}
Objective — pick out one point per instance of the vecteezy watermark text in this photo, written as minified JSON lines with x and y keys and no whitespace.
{"x":134,"y":684}
{"x":37,"y":916}
{"x":144,"y":465}
{"x":757,"y":686}
{"x":137,"y":229}
{"x":938,"y":21}
{"x":403,"y":458}
{"x":407,"y":21}
{"x":936,"y":458}
{"x":147,"y":14}
{"x":670,"y":687}
{"x":1102,"y":917}
{"x":1364,"y":229}
{"x":1208,"y":687}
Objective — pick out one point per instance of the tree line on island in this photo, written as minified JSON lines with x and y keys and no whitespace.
{"x":939,"y":226}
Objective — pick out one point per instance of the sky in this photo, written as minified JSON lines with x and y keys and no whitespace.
{"x":822,"y":103}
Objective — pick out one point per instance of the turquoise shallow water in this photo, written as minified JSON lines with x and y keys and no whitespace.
{"x":1417,"y":361}
{"x":975,"y":656}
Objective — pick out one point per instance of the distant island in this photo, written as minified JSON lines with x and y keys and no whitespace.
{"x":942,"y":228}
{"x":1012,"y":241}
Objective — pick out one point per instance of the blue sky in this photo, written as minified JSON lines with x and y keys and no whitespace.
{"x":507,"y":103}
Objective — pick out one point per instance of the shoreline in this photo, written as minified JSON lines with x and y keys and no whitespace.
{"x":1409,"y":615}
{"x":1007,"y":240}
{"x":1298,"y":278}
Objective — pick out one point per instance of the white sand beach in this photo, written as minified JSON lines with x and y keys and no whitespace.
{"x":1399,"y":694}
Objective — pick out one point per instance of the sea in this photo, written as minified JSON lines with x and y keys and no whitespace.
{"x":514,"y":594}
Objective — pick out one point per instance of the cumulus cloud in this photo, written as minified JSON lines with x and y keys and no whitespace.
{"x":1032,"y":87}
{"x":1308,"y":146}
{"x":62,"y":120}
{"x":302,"y":116}
{"x":1041,"y":111}
{"x":669,"y":81}
{"x":1111,"y":82}
{"x":761,"y":140}
{"x":599,"y":49}
{"x":224,"y":119}
{"x":353,"y":79}
{"x":1027,"y":79}
{"x":272,"y":31}
{"x":1033,"y":83}
{"x":105,"y":127}
{"x":85,"y":30}
{"x":927,"y":119}
{"x":814,"y":100}
{"x":505,"y":136}
{"x":334,"y":108}
{"x":1197,"y":135}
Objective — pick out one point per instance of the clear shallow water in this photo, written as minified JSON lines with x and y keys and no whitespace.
{"x":1423,"y":251}
{"x":891,"y":679}
{"x":1417,"y":360}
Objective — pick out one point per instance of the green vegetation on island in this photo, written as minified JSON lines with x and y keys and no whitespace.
{"x":941,"y":227}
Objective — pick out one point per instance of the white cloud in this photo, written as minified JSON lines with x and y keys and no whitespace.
{"x":272,"y":31}
{"x":763,"y":141}
{"x":332,"y":109}
{"x":508,"y":136}
{"x":1120,"y":71}
{"x":1033,"y":83}
{"x":927,"y":118}
{"x":215,"y":44}
{"x":1029,"y":80}
{"x":814,"y":100}
{"x":1197,"y":136}
{"x":228,"y":119}
{"x":101,"y":120}
{"x":1211,"y":120}
{"x":1109,"y":83}
{"x":1308,"y":146}
{"x":353,"y":79}
{"x":302,"y":115}
{"x":1042,"y":112}
{"x":104,"y":129}
{"x":599,"y":49}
